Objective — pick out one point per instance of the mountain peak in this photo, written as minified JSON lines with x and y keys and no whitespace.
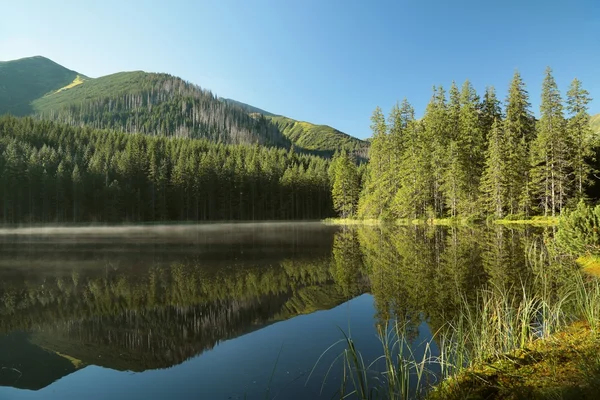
{"x":27,"y":79}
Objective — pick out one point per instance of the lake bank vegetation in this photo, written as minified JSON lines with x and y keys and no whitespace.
{"x":532,"y":336}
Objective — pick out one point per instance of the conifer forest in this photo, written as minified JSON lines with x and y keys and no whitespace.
{"x":138,"y":147}
{"x":475,"y":157}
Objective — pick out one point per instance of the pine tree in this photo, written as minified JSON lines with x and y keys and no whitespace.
{"x":580,"y":134}
{"x":519,"y":131}
{"x":494,"y":183}
{"x":436,"y":141}
{"x":471,"y":149}
{"x":377,"y":193}
{"x":490,"y":111}
{"x":550,"y":151}
{"x":346,"y":188}
{"x":413,"y":173}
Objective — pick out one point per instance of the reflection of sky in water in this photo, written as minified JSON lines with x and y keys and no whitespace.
{"x":238,"y":367}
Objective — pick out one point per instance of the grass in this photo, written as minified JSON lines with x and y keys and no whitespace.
{"x":590,"y":264}
{"x":536,"y":221}
{"x":77,"y":81}
{"x":538,"y":340}
{"x":401,"y":377}
{"x":317,"y":137}
{"x":76,"y":362}
{"x":351,"y":221}
{"x":401,"y":222}
{"x":564,"y":365}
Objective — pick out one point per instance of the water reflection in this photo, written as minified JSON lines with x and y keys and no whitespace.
{"x":129,"y":303}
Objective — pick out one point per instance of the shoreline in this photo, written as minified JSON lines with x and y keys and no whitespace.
{"x":564,"y":365}
{"x":534,"y":221}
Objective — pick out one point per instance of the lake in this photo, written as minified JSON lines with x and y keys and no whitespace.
{"x":229,"y":311}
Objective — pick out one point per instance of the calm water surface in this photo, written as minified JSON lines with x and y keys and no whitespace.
{"x":225,"y":311}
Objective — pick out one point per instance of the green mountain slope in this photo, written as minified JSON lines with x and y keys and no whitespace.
{"x":318,"y":137}
{"x":248,"y":108}
{"x":156,"y":104}
{"x":27,"y":79}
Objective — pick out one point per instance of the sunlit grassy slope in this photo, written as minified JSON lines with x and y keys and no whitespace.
{"x":316,"y":137}
{"x":77,"y":81}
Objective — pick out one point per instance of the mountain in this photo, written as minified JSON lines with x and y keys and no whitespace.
{"x":154,"y":104}
{"x":248,"y":108}
{"x":27,"y":79}
{"x":317,"y":138}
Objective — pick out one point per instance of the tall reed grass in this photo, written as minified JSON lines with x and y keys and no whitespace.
{"x":501,"y":320}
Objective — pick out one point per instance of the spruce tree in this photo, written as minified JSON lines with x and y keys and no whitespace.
{"x":494,"y":183}
{"x":414,"y":172}
{"x":436,"y":140}
{"x":580,"y":134}
{"x":377,"y":193}
{"x":519,"y":131}
{"x":471,"y":148}
{"x":490,"y":111}
{"x":346,"y":188}
{"x":550,"y":151}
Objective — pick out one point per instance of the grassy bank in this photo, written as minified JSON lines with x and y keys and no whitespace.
{"x":539,"y":221}
{"x":401,"y":222}
{"x":565,"y":365}
{"x":535,"y":221}
{"x":510,"y":345}
{"x":539,"y":340}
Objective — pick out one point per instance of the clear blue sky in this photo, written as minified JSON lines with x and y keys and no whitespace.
{"x":323,"y":61}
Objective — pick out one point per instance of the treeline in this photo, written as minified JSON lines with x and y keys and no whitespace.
{"x":52,"y":172}
{"x":157,"y":104}
{"x":470,"y":157}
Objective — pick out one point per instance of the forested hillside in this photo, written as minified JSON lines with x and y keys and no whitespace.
{"x":158,"y":105}
{"x":248,"y":108}
{"x":51,"y":172}
{"x":153,"y":104}
{"x":321,"y":139}
{"x":469,"y":157}
{"x":27,"y":79}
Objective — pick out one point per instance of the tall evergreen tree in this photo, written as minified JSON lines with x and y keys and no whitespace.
{"x":436,"y":140}
{"x":550,"y":151}
{"x":377,"y":193}
{"x":413,"y":174}
{"x":494,"y":183}
{"x":580,"y":134}
{"x":491,"y":111}
{"x":346,"y":188}
{"x":472,"y":148}
{"x":519,"y":128}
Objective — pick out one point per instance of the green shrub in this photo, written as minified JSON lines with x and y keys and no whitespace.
{"x":578,"y":231}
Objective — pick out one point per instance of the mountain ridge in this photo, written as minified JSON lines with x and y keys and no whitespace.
{"x":26,"y":79}
{"x":156,"y":104}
